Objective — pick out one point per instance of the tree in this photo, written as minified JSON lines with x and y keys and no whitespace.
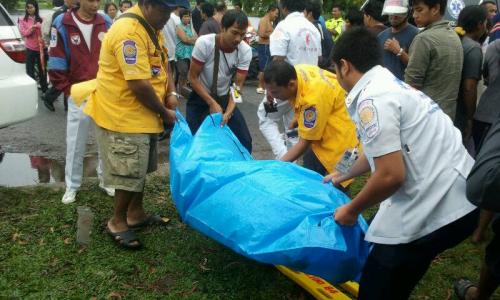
{"x":9,"y":4}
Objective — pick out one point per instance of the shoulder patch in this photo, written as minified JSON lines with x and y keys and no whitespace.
{"x":310,"y":117}
{"x":53,"y":37}
{"x":129,"y":52}
{"x":368,"y":118}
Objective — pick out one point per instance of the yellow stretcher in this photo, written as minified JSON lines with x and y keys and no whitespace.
{"x":320,"y":288}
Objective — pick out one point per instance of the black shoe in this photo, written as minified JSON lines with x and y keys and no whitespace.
{"x":49,"y":105}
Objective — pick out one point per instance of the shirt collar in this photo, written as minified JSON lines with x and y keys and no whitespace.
{"x":361,"y":84}
{"x":440,"y":23}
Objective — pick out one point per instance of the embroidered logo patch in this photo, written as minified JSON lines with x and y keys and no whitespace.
{"x":310,"y":117}
{"x":75,"y":39}
{"x":368,"y":118}
{"x":100,"y":36}
{"x":129,"y":52}
{"x":53,"y":38}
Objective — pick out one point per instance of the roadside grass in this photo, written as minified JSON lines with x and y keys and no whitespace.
{"x":40,"y":259}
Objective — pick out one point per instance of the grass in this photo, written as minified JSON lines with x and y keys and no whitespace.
{"x":39,"y":258}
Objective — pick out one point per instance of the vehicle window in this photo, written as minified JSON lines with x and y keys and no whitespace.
{"x":5,"y":20}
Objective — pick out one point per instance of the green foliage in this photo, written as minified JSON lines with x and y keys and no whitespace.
{"x":259,"y":7}
{"x":9,"y":4}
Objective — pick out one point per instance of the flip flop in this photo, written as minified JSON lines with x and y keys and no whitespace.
{"x":125,"y":239}
{"x":461,"y":286}
{"x":152,"y":220}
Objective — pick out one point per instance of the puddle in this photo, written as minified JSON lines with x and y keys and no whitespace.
{"x":19,"y":169}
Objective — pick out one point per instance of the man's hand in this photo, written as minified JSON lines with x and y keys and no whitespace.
{"x":335,"y":178}
{"x":225,"y":119}
{"x":392,"y":45}
{"x":169,"y":117}
{"x":344,"y":215}
{"x":215,"y":108}
{"x":171,"y":102}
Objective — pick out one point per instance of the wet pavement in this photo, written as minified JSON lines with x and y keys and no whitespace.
{"x":35,"y":150}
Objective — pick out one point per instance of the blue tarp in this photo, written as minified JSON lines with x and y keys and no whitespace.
{"x":270,"y":211}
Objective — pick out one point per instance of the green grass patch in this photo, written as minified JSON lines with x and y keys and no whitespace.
{"x":40,"y":259}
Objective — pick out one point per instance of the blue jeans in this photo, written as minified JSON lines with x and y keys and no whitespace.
{"x":197,"y":110}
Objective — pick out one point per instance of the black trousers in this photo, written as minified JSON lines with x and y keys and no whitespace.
{"x":392,"y":271}
{"x":32,"y":59}
{"x":312,"y":162}
{"x":197,"y":110}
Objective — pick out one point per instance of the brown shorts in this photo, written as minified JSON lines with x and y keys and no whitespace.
{"x":127,"y":158}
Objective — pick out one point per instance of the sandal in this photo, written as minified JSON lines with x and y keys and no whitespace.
{"x":152,"y":220}
{"x":461,"y":286}
{"x":125,"y":239}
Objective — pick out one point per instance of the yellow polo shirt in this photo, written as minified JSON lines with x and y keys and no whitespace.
{"x":337,"y":25}
{"x":322,"y":115}
{"x":127,"y":53}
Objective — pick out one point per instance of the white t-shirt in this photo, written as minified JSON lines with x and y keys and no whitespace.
{"x":204,"y":54}
{"x":297,"y":39}
{"x":86,"y":30}
{"x":170,"y":35}
{"x":392,"y":116}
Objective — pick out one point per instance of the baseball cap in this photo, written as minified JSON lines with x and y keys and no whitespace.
{"x":169,"y":3}
{"x":395,"y":7}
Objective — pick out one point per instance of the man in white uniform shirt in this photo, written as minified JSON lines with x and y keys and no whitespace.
{"x":171,"y":37}
{"x":296,"y":41}
{"x":418,"y":164}
{"x":211,"y":89}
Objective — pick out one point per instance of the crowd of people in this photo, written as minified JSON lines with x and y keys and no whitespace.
{"x":388,"y":88}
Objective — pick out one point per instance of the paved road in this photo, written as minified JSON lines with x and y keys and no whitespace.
{"x":45,"y":134}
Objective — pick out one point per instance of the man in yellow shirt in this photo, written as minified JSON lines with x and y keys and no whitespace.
{"x":336,"y":24}
{"x":132,"y":101}
{"x":326,"y":132}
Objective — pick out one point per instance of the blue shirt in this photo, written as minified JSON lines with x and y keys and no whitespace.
{"x":404,"y":37}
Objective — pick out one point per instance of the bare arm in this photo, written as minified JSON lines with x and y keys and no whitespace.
{"x":296,"y":151}
{"x":183,"y":36}
{"x":388,"y":177}
{"x":360,"y":167}
{"x":145,"y":93}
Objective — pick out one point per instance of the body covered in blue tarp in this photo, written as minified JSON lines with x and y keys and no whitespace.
{"x":274,"y":212}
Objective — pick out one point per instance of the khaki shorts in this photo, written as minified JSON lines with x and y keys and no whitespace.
{"x":127,"y":158}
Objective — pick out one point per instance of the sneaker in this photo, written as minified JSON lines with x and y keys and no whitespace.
{"x":260,"y":90}
{"x":69,"y":197}
{"x":107,"y":190}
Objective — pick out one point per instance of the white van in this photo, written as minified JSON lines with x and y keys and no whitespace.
{"x":18,"y":91}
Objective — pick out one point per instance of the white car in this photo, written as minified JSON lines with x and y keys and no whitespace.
{"x":18,"y":91}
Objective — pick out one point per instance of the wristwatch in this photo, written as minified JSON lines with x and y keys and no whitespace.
{"x":174,"y":94}
{"x":400,"y":51}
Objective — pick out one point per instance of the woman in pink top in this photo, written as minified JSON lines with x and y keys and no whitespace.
{"x":30,"y":28}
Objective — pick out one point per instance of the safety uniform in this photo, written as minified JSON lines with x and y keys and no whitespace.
{"x":126,"y":129}
{"x":429,"y":213}
{"x":300,"y":42}
{"x":322,"y":116}
{"x":72,"y":60}
{"x":335,"y":24}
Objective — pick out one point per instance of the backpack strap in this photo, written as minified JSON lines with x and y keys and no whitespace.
{"x":215,"y":77}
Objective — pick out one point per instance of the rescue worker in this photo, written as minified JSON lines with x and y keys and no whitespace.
{"x":75,"y":44}
{"x":326,"y":131}
{"x":230,"y":56}
{"x":133,"y":99}
{"x":296,"y":41}
{"x":419,"y":169}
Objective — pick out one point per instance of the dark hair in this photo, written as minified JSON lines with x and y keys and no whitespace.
{"x":432,"y":3}
{"x":220,"y":6}
{"x":198,"y":2}
{"x":279,"y":72}
{"x":271,"y":7}
{"x":314,"y":7}
{"x":108,"y":5}
{"x":374,"y":9}
{"x":360,"y":47}
{"x":337,"y":6}
{"x":355,"y":17}
{"x":237,"y":3}
{"x":126,"y":1}
{"x":184,"y":12}
{"x":207,"y":9}
{"x":37,"y":10}
{"x":470,"y":17}
{"x":293,"y":5}
{"x":232,"y":17}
